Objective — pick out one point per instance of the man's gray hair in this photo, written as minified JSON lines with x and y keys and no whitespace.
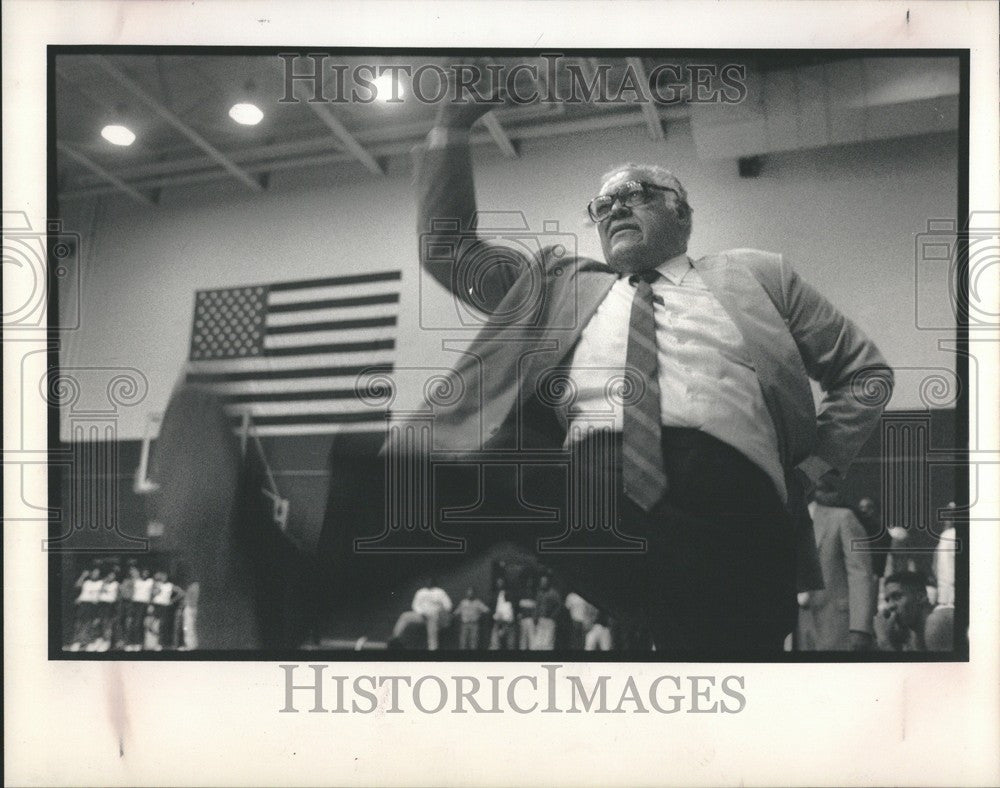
{"x":657,"y":175}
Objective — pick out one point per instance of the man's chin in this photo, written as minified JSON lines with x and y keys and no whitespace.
{"x":629,"y":261}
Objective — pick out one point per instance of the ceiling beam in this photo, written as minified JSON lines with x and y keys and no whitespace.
{"x":310,"y":154}
{"x":347,"y":140}
{"x":210,"y":150}
{"x":325,"y":114}
{"x":648,"y":110}
{"x":97,"y":169}
{"x":496,"y":130}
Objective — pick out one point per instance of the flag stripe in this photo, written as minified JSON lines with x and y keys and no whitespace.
{"x":332,"y":281}
{"x":308,"y":395}
{"x":302,"y":411}
{"x":375,"y":429}
{"x":317,"y":418}
{"x":331,"y":325}
{"x":335,"y":303}
{"x":361,"y":382}
{"x":320,"y":361}
{"x":309,"y":294}
{"x":341,"y":313}
{"x":342,"y":347}
{"x":287,"y":374}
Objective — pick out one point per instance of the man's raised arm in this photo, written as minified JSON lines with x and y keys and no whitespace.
{"x":446,"y":208}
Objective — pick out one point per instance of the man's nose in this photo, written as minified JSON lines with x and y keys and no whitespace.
{"x":619,"y":208}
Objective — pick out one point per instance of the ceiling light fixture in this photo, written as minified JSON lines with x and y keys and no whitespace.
{"x":246,"y":114}
{"x":117,"y":134}
{"x":384,"y":86}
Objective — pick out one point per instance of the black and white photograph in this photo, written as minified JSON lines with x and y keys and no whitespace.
{"x":393,"y":390}
{"x":492,"y":353}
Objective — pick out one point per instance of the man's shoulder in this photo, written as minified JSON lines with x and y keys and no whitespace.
{"x":757,"y":260}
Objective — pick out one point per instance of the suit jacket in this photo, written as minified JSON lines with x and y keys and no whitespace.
{"x":848,"y":601}
{"x":535,"y":308}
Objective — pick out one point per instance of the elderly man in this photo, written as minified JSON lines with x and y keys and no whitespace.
{"x":700,"y":370}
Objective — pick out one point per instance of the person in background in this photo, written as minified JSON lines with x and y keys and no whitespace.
{"x":909,"y":622}
{"x":944,"y":563}
{"x":151,"y":629}
{"x":125,"y":612}
{"x":165,"y":596}
{"x":526,"y":610}
{"x":433,"y":604}
{"x":548,"y":605}
{"x":469,"y":611}
{"x":870,"y":517}
{"x":107,"y":610}
{"x":86,"y":604}
{"x":910,"y":550}
{"x":142,"y":597}
{"x":599,"y":635}
{"x":582,"y":617}
{"x":839,"y":617}
{"x":502,"y":635}
{"x":189,"y":617}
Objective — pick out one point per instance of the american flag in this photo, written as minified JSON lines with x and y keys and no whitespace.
{"x":290,"y":354}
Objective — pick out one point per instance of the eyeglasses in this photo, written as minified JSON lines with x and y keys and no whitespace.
{"x":630,"y":194}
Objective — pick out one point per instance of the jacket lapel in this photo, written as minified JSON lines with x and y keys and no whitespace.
{"x":575,"y":298}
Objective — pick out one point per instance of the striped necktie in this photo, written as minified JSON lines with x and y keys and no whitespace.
{"x":643,"y":473}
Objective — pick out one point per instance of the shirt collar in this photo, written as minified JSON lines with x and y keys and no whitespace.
{"x":676,"y":268}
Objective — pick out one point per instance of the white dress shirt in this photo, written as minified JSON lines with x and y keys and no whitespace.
{"x":431,"y":601}
{"x":707,"y":381}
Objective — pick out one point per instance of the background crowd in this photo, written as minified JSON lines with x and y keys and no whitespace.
{"x":888,"y":587}
{"x":523,"y":611}
{"x":132,"y":606}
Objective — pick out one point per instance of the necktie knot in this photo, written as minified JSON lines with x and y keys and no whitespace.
{"x":649,"y":276}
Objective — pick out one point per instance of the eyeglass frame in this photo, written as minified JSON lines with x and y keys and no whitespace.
{"x":616,"y":197}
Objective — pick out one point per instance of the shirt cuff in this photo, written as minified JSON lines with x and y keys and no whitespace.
{"x":443,"y":137}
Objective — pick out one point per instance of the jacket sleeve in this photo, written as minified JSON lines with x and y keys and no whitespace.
{"x":860,"y":580}
{"x":855,"y":378}
{"x":451,"y":251}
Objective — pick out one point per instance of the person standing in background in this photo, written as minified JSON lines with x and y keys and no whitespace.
{"x":870,"y":517}
{"x":125,"y":594}
{"x":526,"y":612}
{"x":469,"y":611}
{"x":549,"y":603}
{"x":86,"y":603}
{"x":142,"y":596}
{"x":107,"y":610}
{"x":944,"y":563}
{"x":502,"y":635}
{"x":189,"y":617}
{"x":839,"y":617}
{"x":165,"y":596}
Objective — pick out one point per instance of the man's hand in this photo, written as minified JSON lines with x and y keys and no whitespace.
{"x":860,"y":641}
{"x":476,"y":93}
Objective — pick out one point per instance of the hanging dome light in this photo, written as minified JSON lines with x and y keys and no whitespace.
{"x":384,"y":85}
{"x":246,"y":114}
{"x":117,"y":134}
